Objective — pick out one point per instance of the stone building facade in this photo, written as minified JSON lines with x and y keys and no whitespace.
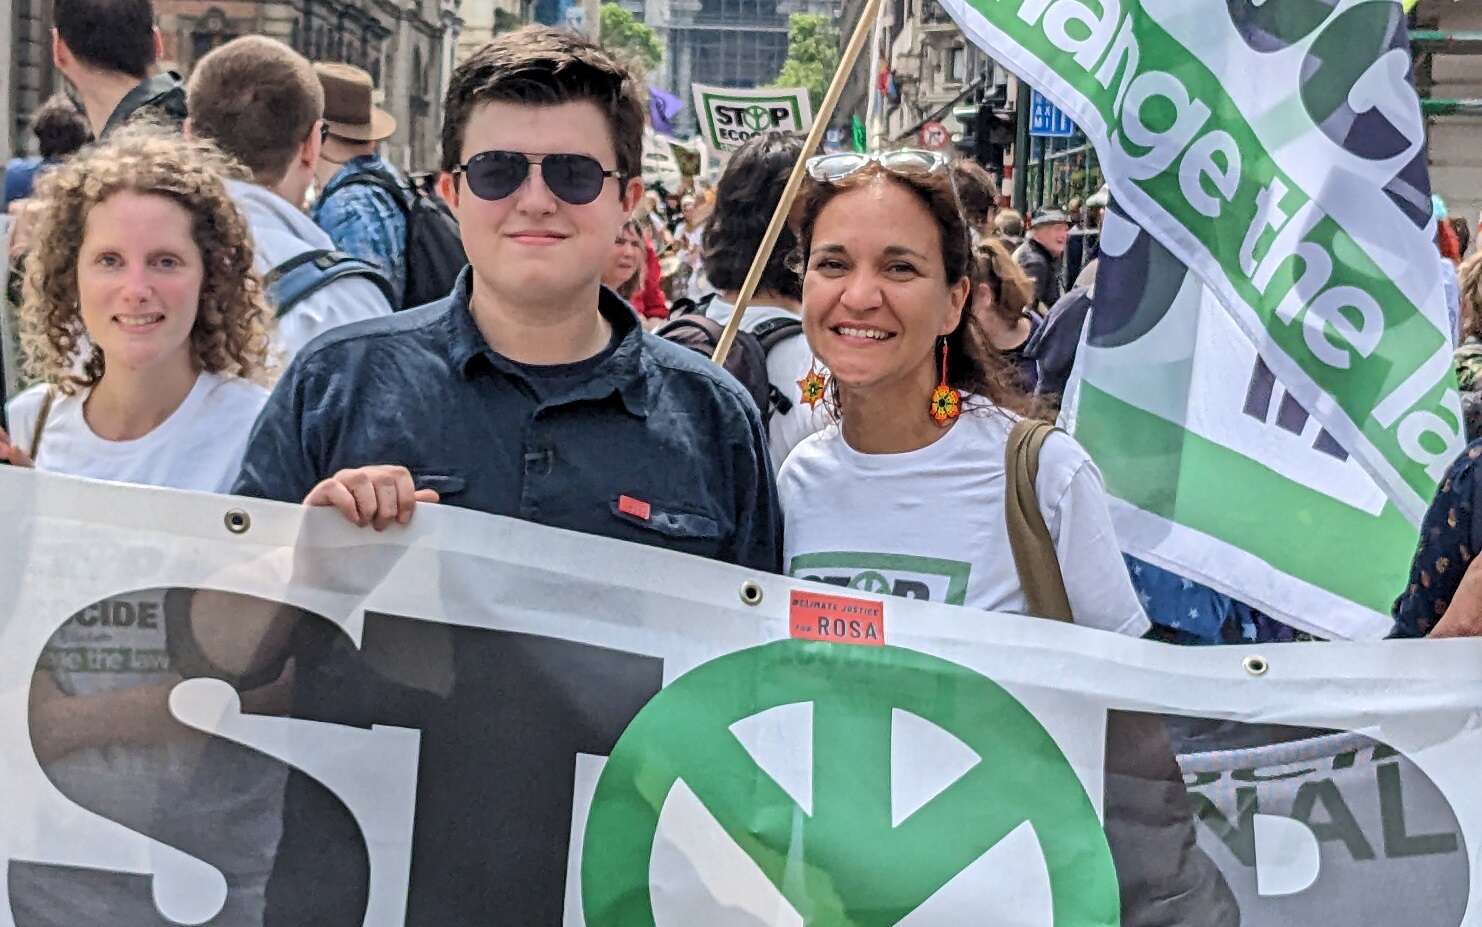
{"x":1455,"y":140}
{"x":408,"y":46}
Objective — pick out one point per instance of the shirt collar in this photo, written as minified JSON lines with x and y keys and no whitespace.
{"x":623,"y":372}
{"x":145,"y":92}
{"x":358,"y":165}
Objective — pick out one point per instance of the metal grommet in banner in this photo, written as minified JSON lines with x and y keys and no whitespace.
{"x":751,"y":592}
{"x":238,"y":521}
{"x":1256,"y":666}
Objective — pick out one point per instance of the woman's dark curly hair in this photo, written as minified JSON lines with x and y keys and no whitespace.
{"x":974,"y":366}
{"x":745,"y":199}
{"x":230,"y":333}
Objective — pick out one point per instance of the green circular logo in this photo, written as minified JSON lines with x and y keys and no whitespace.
{"x":871,"y":581}
{"x":756,"y":118}
{"x":858,"y":868}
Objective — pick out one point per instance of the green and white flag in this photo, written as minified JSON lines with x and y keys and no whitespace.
{"x":1215,"y":471}
{"x":1277,"y":150}
{"x":731,"y":115}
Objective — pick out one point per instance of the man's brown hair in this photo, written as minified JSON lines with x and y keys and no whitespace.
{"x":541,"y":66}
{"x":258,"y":100}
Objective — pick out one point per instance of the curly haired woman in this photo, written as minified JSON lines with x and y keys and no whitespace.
{"x":141,"y":320}
{"x":145,"y":326}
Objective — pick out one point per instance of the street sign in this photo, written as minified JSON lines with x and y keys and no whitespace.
{"x":934,"y":135}
{"x":1046,"y":120}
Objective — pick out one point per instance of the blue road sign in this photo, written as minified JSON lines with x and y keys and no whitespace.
{"x":1046,"y":120}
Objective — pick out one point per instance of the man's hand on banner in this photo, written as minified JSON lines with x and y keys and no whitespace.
{"x":1463,"y":616}
{"x":11,"y":452}
{"x":374,"y":496}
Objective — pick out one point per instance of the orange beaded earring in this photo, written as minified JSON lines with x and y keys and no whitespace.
{"x":813,"y":386}
{"x":946,"y":402}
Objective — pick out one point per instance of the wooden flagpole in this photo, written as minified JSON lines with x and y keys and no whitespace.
{"x":862,"y":32}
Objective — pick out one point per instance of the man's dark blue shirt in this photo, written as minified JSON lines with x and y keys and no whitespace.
{"x":647,"y":442}
{"x":644,"y":420}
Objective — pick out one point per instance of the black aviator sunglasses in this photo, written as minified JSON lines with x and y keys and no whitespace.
{"x":576,"y":179}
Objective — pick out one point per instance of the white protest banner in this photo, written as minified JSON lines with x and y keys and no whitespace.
{"x":1278,"y":150}
{"x":731,"y":115}
{"x":1216,"y":472}
{"x":227,"y":711}
{"x":659,"y":164}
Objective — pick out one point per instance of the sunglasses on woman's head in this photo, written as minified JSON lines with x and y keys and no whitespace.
{"x":574,"y":178}
{"x":832,"y":168}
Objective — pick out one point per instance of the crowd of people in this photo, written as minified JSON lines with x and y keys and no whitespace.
{"x":215,"y":273}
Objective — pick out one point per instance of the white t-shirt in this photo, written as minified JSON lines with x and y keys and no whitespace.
{"x":200,"y":446}
{"x":929,"y":524}
{"x":787,"y":363}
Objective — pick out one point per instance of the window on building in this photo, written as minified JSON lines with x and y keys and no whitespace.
{"x":737,"y":57}
{"x":211,"y":31}
{"x":957,"y":64}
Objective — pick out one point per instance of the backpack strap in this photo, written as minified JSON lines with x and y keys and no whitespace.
{"x":1029,"y":536}
{"x":303,"y":275}
{"x":42,"y":415}
{"x":377,"y":179}
{"x":709,"y":326}
{"x":772,"y":333}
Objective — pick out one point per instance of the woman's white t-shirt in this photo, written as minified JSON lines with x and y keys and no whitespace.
{"x":929,"y":524}
{"x":200,"y":446}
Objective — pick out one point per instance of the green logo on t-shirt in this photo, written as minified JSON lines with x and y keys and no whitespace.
{"x":926,"y":578}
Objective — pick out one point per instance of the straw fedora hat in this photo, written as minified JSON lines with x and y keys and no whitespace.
{"x":349,"y":107}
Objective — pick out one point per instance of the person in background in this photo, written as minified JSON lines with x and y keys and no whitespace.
{"x":109,"y":50}
{"x":1463,"y":234}
{"x":915,"y":469}
{"x":1002,"y":297}
{"x":146,"y":329}
{"x":624,"y":274}
{"x":1008,"y":227}
{"x":746,"y":197}
{"x":60,"y":130}
{"x":261,"y":103}
{"x":1468,"y":357}
{"x":360,"y":200}
{"x":979,"y":193}
{"x":1040,"y":255}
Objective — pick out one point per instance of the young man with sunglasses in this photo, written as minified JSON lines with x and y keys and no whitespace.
{"x":530,"y":391}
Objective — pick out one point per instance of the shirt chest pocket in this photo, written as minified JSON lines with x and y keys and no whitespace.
{"x":658,"y":525}
{"x":446,"y":483}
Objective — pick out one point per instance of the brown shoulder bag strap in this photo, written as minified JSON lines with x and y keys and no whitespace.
{"x":41,"y":417}
{"x":1029,"y":536}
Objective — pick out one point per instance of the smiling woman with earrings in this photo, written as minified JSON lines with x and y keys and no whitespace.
{"x":936,"y":481}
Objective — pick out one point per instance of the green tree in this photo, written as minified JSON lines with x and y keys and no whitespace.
{"x":630,"y":39}
{"x":812,"y":55}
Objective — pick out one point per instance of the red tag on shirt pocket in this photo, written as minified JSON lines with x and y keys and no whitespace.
{"x":837,"y":619}
{"x":635,"y":507}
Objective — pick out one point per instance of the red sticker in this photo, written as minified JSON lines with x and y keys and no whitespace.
{"x":837,"y":619}
{"x":635,"y":507}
